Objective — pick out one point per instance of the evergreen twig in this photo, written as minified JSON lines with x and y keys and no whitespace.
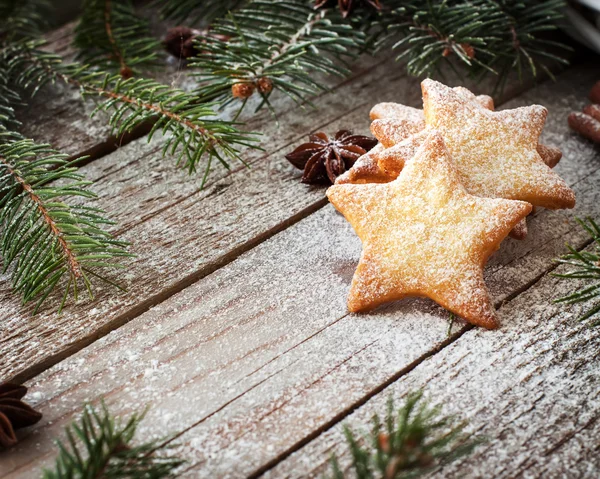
{"x":192,"y":11}
{"x":410,"y":441}
{"x":485,"y":35}
{"x":23,"y":18}
{"x":111,"y":36}
{"x":273,"y":45}
{"x":42,"y":238}
{"x":586,"y":265}
{"x":193,"y":128}
{"x":101,"y":446}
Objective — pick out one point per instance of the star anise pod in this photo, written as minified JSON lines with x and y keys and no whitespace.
{"x":346,"y":6}
{"x":324,"y":159}
{"x":14,"y":413}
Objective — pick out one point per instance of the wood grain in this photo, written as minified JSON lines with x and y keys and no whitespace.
{"x":531,"y":387}
{"x":259,"y":357}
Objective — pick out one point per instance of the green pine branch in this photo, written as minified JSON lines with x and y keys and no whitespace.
{"x":23,"y":18}
{"x":45,"y":242}
{"x":112,"y":37}
{"x":273,"y":45}
{"x":585,"y":265}
{"x":497,"y":36}
{"x":412,"y":440}
{"x":8,"y":99}
{"x":101,"y":446}
{"x":192,"y":129}
{"x":192,"y":11}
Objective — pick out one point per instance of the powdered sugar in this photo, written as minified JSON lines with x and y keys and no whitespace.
{"x":495,"y":152}
{"x":424,"y":235}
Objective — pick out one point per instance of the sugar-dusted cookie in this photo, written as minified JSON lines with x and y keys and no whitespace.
{"x":495,"y":152}
{"x":383,"y":111}
{"x":424,"y":235}
{"x":386,"y":110}
{"x":391,"y":123}
{"x":391,"y":131}
{"x":366,"y":170}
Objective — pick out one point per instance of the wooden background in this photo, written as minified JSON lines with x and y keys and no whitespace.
{"x":235,"y":331}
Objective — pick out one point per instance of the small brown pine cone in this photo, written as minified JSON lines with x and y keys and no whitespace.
{"x":447,"y":51}
{"x":264,"y":85}
{"x":242,"y":90}
{"x":593,"y":111}
{"x":126,"y":73}
{"x":384,"y":442}
{"x":585,"y":125}
{"x":469,"y":50}
{"x":179,"y":41}
{"x":595,"y":93}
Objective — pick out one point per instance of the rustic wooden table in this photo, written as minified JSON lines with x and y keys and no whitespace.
{"x":235,"y":329}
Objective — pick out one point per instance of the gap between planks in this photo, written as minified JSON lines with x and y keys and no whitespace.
{"x":64,"y":378}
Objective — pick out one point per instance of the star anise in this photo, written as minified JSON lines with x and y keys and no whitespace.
{"x":14,"y":413}
{"x":324,"y":159}
{"x":346,"y":6}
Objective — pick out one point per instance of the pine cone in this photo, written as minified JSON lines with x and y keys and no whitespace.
{"x":14,"y":413}
{"x":182,"y":42}
{"x":346,"y":6}
{"x":242,"y":90}
{"x":179,"y":41}
{"x":264,"y":85}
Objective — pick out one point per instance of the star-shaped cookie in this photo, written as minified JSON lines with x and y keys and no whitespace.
{"x":424,"y":235}
{"x":495,"y":152}
{"x":394,"y":122}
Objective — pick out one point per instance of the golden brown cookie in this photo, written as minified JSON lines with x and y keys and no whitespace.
{"x":366,"y":170}
{"x":391,"y":112}
{"x":424,"y":235}
{"x":495,"y":152}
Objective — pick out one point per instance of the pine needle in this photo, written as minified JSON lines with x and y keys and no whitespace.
{"x":46,"y":242}
{"x":192,"y":129}
{"x":274,"y":45}
{"x":99,"y":445}
{"x":111,"y":36}
{"x":410,"y":441}
{"x":584,"y":265}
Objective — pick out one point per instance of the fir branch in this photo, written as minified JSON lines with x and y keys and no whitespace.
{"x":23,"y":18}
{"x":273,"y":45}
{"x":111,"y":36}
{"x":101,"y":446}
{"x":410,"y":442}
{"x":45,"y":242}
{"x":192,"y":129}
{"x":495,"y":36}
{"x":585,"y":265}
{"x":192,"y":11}
{"x":8,"y":99}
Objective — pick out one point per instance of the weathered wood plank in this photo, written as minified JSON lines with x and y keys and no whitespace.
{"x":531,"y":387}
{"x":257,"y":357}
